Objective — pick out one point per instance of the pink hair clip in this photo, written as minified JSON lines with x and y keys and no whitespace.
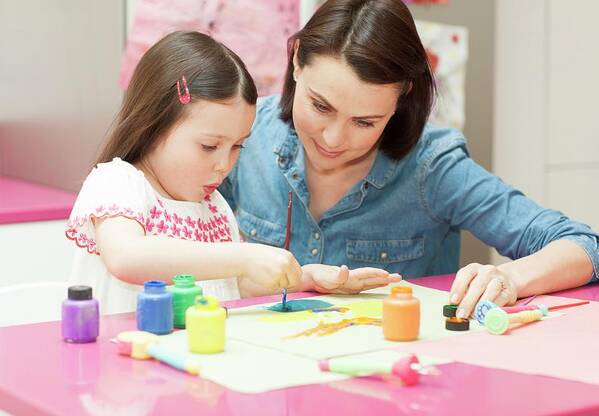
{"x":184,"y":98}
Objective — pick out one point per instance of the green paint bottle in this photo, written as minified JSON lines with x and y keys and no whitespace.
{"x":184,"y":292}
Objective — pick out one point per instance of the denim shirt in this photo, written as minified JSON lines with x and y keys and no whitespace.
{"x":405,"y":216}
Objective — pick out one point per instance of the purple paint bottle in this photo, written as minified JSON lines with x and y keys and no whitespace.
{"x":80,"y":316}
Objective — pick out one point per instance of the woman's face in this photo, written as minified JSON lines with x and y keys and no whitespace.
{"x":338,"y":117}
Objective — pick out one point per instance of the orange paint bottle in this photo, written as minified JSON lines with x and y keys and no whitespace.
{"x":401,"y":315}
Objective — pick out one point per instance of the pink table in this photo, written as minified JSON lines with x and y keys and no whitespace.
{"x":22,"y":201}
{"x":41,"y":375}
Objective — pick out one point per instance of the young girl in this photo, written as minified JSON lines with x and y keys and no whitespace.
{"x":150,"y":209}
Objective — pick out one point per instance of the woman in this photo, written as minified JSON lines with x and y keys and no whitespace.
{"x":374,"y":185}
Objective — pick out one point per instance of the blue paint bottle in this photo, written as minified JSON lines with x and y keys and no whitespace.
{"x":155,"y":308}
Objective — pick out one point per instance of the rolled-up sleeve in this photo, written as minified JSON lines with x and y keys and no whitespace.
{"x":457,"y":191}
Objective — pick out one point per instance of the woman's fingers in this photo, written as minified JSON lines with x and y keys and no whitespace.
{"x":366,"y":272}
{"x":331,"y":277}
{"x":462,"y":281}
{"x":342,"y":276}
{"x":508,"y":294}
{"x":493,"y":290}
{"x":345,"y":281}
{"x":363,"y":279}
{"x":395,"y":277}
{"x":477,"y":287}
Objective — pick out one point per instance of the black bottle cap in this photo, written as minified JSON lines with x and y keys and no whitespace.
{"x":80,"y":293}
{"x":457,"y":324}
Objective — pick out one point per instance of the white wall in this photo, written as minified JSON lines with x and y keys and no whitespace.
{"x":572,"y":159}
{"x":479,"y":18}
{"x":546,"y":137}
{"x":59,"y":66}
{"x":35,"y":252}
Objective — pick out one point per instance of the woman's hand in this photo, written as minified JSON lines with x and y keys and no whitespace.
{"x":477,"y":282}
{"x":341,"y":280}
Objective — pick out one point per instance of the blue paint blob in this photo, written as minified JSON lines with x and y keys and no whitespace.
{"x":329,"y":309}
{"x":300,"y":305}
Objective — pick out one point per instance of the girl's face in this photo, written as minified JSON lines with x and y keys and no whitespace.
{"x":338,"y":117}
{"x":196,"y":155}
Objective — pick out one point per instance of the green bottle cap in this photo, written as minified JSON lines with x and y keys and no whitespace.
{"x":184,"y":280}
{"x":449,"y":311}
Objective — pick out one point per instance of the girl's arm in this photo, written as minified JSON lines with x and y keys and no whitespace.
{"x":134,"y":258}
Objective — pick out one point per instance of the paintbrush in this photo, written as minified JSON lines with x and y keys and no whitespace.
{"x":287,"y":241}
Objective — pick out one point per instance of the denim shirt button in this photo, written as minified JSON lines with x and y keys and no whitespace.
{"x":365,"y":185}
{"x":253,"y":232}
{"x":295,"y":176}
{"x":383,"y":255}
{"x":282,"y":160}
{"x":314,"y":251}
{"x":316,"y":236}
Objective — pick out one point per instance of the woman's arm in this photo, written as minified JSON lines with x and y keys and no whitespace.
{"x":134,"y":258}
{"x":552,"y":252}
{"x":560,"y":265}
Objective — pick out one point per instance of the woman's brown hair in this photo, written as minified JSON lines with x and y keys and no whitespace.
{"x":378,"y":40}
{"x":151,"y":104}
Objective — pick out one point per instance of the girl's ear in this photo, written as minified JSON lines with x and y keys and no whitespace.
{"x":296,"y":67}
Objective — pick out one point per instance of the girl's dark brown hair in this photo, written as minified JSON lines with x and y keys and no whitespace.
{"x":378,"y":40}
{"x":151,"y":105}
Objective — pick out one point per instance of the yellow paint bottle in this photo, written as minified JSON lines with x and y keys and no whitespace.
{"x":205,"y":323}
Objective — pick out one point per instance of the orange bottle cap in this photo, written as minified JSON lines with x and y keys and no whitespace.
{"x":401,"y":289}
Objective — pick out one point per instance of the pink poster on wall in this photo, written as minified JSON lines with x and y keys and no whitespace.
{"x":256,"y":30}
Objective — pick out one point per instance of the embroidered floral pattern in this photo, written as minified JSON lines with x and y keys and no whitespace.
{"x":157,"y":222}
{"x":74,"y":232}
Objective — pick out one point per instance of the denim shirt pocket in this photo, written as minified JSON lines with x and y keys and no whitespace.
{"x":254,"y":229}
{"x":384,"y":251}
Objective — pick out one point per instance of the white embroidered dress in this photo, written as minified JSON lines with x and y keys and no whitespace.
{"x":118,"y":188}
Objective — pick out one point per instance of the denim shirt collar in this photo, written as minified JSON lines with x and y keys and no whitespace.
{"x":286,"y":146}
{"x":382,"y":171}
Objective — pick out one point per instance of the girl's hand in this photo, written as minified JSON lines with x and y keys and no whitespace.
{"x":341,"y":280}
{"x":269,"y":267}
{"x":477,"y":282}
